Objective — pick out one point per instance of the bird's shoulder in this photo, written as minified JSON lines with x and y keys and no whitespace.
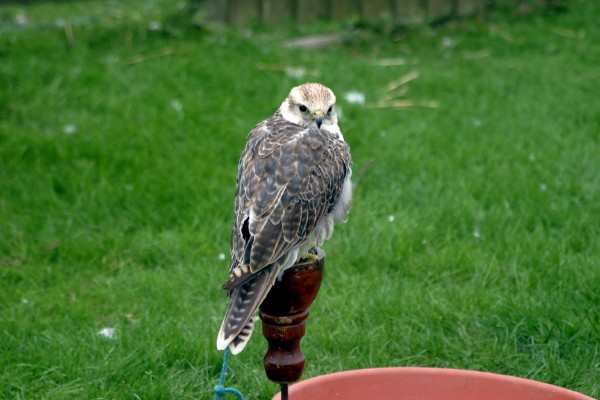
{"x":278,"y":134}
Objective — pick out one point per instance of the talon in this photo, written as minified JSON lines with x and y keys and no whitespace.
{"x":310,"y":256}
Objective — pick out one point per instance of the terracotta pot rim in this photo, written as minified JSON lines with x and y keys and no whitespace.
{"x":441,"y":374}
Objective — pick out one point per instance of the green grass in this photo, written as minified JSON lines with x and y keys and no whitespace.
{"x":118,"y":153}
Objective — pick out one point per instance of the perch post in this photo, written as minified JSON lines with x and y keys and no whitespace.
{"x":284,"y":314}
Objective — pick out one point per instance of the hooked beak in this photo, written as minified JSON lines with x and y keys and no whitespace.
{"x":318,"y":118}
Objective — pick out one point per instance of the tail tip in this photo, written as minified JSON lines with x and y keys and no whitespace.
{"x":235,"y":346}
{"x":222,"y":343}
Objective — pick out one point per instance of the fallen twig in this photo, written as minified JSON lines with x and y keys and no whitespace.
{"x":69,"y":35}
{"x":402,"y":81}
{"x":502,"y":33}
{"x":403,"y":103}
{"x":141,"y":58}
{"x":290,"y":70}
{"x":401,"y":91}
{"x":392,"y":62}
{"x":313,"y":41}
{"x":580,"y":34}
{"x":477,"y":55}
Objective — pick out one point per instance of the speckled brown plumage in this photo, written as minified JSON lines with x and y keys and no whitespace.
{"x":289,"y":185}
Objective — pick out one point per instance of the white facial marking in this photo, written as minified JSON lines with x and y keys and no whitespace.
{"x":306,"y":103}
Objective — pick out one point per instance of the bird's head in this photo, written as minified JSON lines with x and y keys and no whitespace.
{"x":310,"y":105}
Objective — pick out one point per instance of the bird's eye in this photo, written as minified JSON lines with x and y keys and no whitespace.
{"x":330,"y":109}
{"x":303,"y":108}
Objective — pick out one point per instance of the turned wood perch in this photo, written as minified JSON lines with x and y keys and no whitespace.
{"x":284,"y":314}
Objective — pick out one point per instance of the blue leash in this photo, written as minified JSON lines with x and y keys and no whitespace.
{"x":220,"y":389}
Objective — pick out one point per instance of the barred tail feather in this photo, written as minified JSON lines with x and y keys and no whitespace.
{"x":238,"y":322}
{"x":239,"y":342}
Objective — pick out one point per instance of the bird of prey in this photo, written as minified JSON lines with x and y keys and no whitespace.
{"x":293,"y":183}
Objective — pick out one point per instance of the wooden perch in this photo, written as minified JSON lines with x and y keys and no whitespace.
{"x":284,"y":314}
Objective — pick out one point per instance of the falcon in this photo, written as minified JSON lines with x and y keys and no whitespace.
{"x":293,"y":184}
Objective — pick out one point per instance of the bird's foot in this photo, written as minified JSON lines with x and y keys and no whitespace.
{"x":310,"y":256}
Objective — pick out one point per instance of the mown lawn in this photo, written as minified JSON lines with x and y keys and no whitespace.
{"x":473,"y":243}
